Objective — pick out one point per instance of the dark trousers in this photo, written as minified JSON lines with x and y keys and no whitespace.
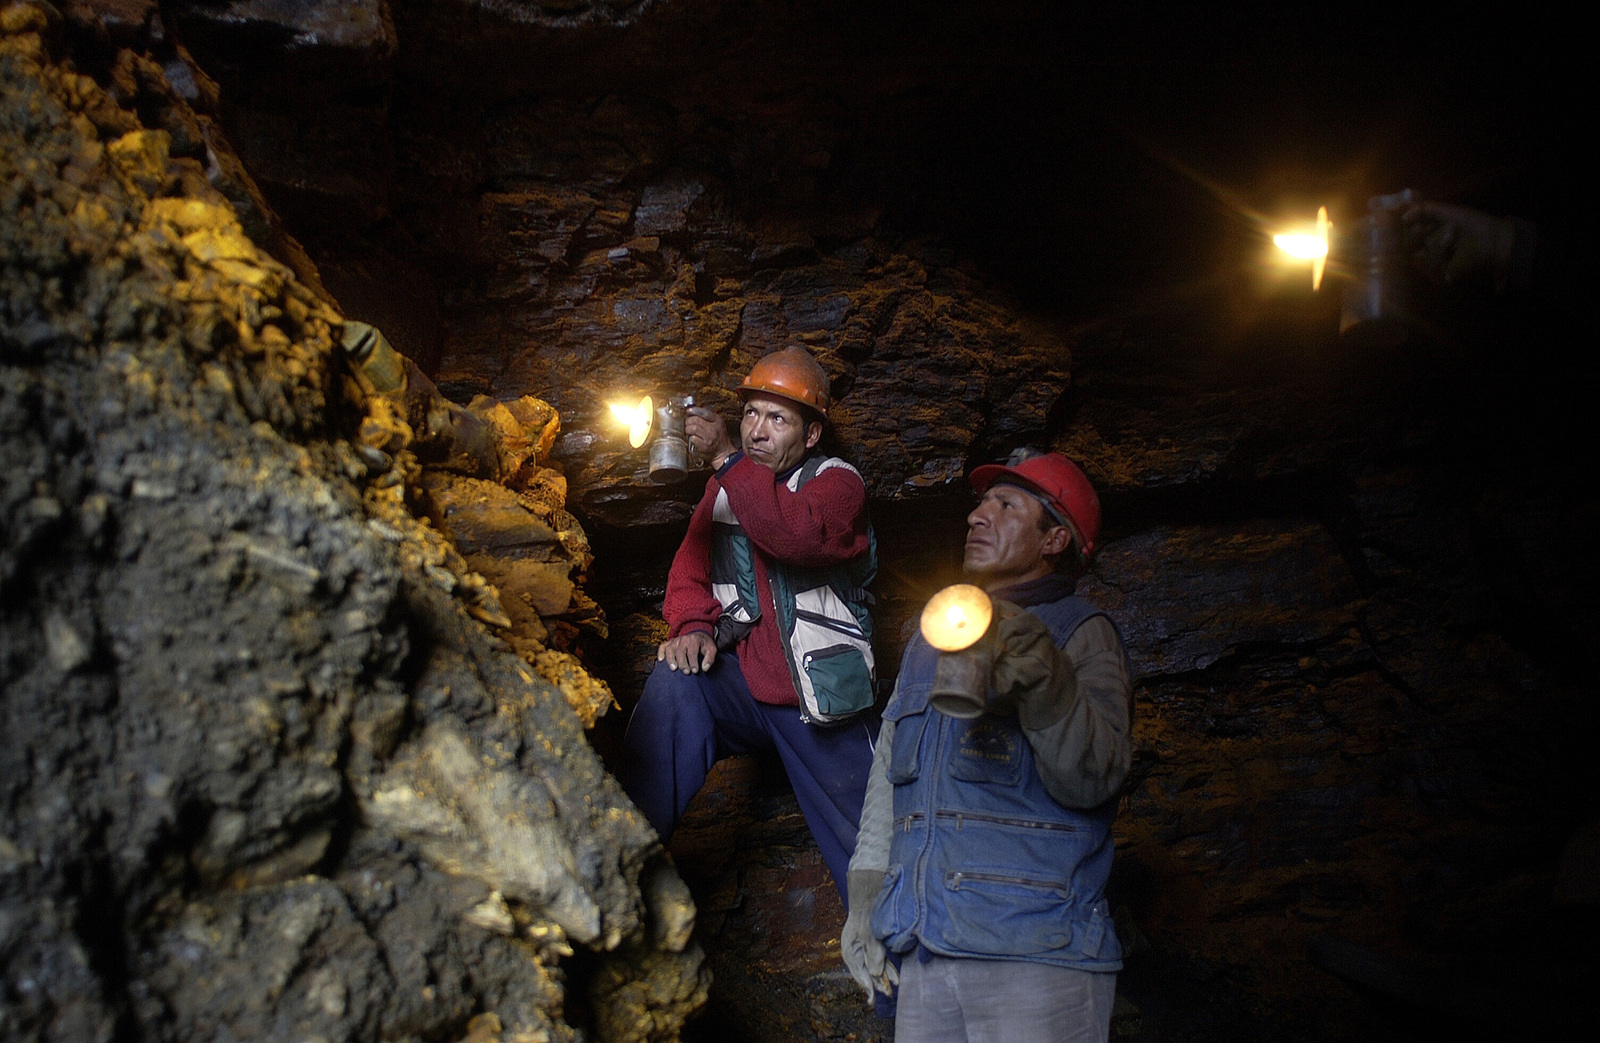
{"x":685,"y":723}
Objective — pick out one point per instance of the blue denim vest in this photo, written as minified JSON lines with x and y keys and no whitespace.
{"x":983,"y":862}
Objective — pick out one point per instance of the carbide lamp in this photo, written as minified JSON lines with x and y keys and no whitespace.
{"x":954,"y":621}
{"x":669,"y":446}
{"x":1374,"y":292}
{"x":956,"y":617}
{"x":1377,"y":295}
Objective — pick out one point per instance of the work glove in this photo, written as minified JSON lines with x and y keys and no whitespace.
{"x":1015,"y":668}
{"x":1031,"y":676}
{"x":865,"y":956}
{"x":1456,"y":245}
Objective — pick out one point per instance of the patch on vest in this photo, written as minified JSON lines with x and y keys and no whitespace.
{"x":987,"y":740}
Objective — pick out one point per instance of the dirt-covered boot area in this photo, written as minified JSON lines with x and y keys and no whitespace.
{"x":262,"y":775}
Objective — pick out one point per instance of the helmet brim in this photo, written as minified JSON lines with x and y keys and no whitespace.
{"x":748,"y":390}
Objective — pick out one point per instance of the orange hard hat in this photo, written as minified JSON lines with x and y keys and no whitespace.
{"x":792,"y":374}
{"x":1059,"y":484}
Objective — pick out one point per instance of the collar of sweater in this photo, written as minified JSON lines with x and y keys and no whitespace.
{"x":1039,"y":591}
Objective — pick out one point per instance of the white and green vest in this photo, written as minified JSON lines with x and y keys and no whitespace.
{"x":822,"y":613}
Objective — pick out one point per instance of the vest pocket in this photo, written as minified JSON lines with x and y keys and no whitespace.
{"x":905,"y":756}
{"x":1001,"y":911}
{"x":840,"y":678}
{"x":887,"y":916}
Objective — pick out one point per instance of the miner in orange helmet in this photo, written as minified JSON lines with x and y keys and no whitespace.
{"x":978,"y":882}
{"x":769,"y":641}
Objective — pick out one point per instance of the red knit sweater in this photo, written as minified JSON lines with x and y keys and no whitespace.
{"x":825,"y":523}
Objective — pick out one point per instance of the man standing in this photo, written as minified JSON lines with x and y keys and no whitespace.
{"x":985,"y":844}
{"x":770,"y":644}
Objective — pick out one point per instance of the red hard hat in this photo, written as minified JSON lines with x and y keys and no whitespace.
{"x":1058,"y":481}
{"x":792,"y":374}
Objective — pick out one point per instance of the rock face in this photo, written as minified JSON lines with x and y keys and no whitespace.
{"x":587,"y":247}
{"x":595,"y":290}
{"x":1358,"y":587}
{"x":263,"y":772}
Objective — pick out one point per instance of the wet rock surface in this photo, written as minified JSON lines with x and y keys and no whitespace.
{"x":264,"y":773}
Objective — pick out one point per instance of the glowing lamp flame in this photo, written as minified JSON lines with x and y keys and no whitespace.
{"x":1309,"y":246}
{"x":636,"y":418}
{"x":1302,"y":247}
{"x":956,"y":617}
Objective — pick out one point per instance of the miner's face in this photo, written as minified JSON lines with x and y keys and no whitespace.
{"x":775,"y":433}
{"x":1006,"y":543}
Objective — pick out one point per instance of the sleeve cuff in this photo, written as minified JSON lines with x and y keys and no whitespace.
{"x":733,"y":458}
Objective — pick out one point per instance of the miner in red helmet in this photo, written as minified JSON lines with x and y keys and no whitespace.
{"x":978,"y":882}
{"x":769,"y":642}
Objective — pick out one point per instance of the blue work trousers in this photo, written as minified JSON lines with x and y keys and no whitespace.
{"x":685,"y":723}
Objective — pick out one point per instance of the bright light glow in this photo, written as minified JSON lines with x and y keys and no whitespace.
{"x":1302,"y":247}
{"x":956,"y":617}
{"x":636,"y":418}
{"x":1310,"y":246}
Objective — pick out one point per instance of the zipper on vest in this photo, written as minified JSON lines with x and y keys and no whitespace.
{"x":818,"y":619}
{"x":962,"y":876}
{"x":915,"y":818}
{"x":997,"y":820}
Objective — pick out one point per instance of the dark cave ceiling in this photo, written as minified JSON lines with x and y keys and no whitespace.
{"x":1085,"y":154}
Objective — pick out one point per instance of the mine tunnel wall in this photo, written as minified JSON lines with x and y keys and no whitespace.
{"x":1315,"y":585}
{"x":1358,"y":710}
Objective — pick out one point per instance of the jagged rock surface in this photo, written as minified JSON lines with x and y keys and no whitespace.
{"x":586,"y":243}
{"x":1324,"y":657}
{"x":262,"y":772}
{"x":1359,"y":630}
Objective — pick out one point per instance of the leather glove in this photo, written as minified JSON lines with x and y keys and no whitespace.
{"x":1031,"y":677}
{"x":864,"y":955}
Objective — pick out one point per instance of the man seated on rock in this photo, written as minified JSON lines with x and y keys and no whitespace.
{"x":770,"y":645}
{"x":985,"y":841}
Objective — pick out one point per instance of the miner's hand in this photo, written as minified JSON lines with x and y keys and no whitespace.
{"x":1455,"y":244}
{"x":1030,"y":672}
{"x":709,"y":435}
{"x":689,"y":653}
{"x":864,"y":955}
